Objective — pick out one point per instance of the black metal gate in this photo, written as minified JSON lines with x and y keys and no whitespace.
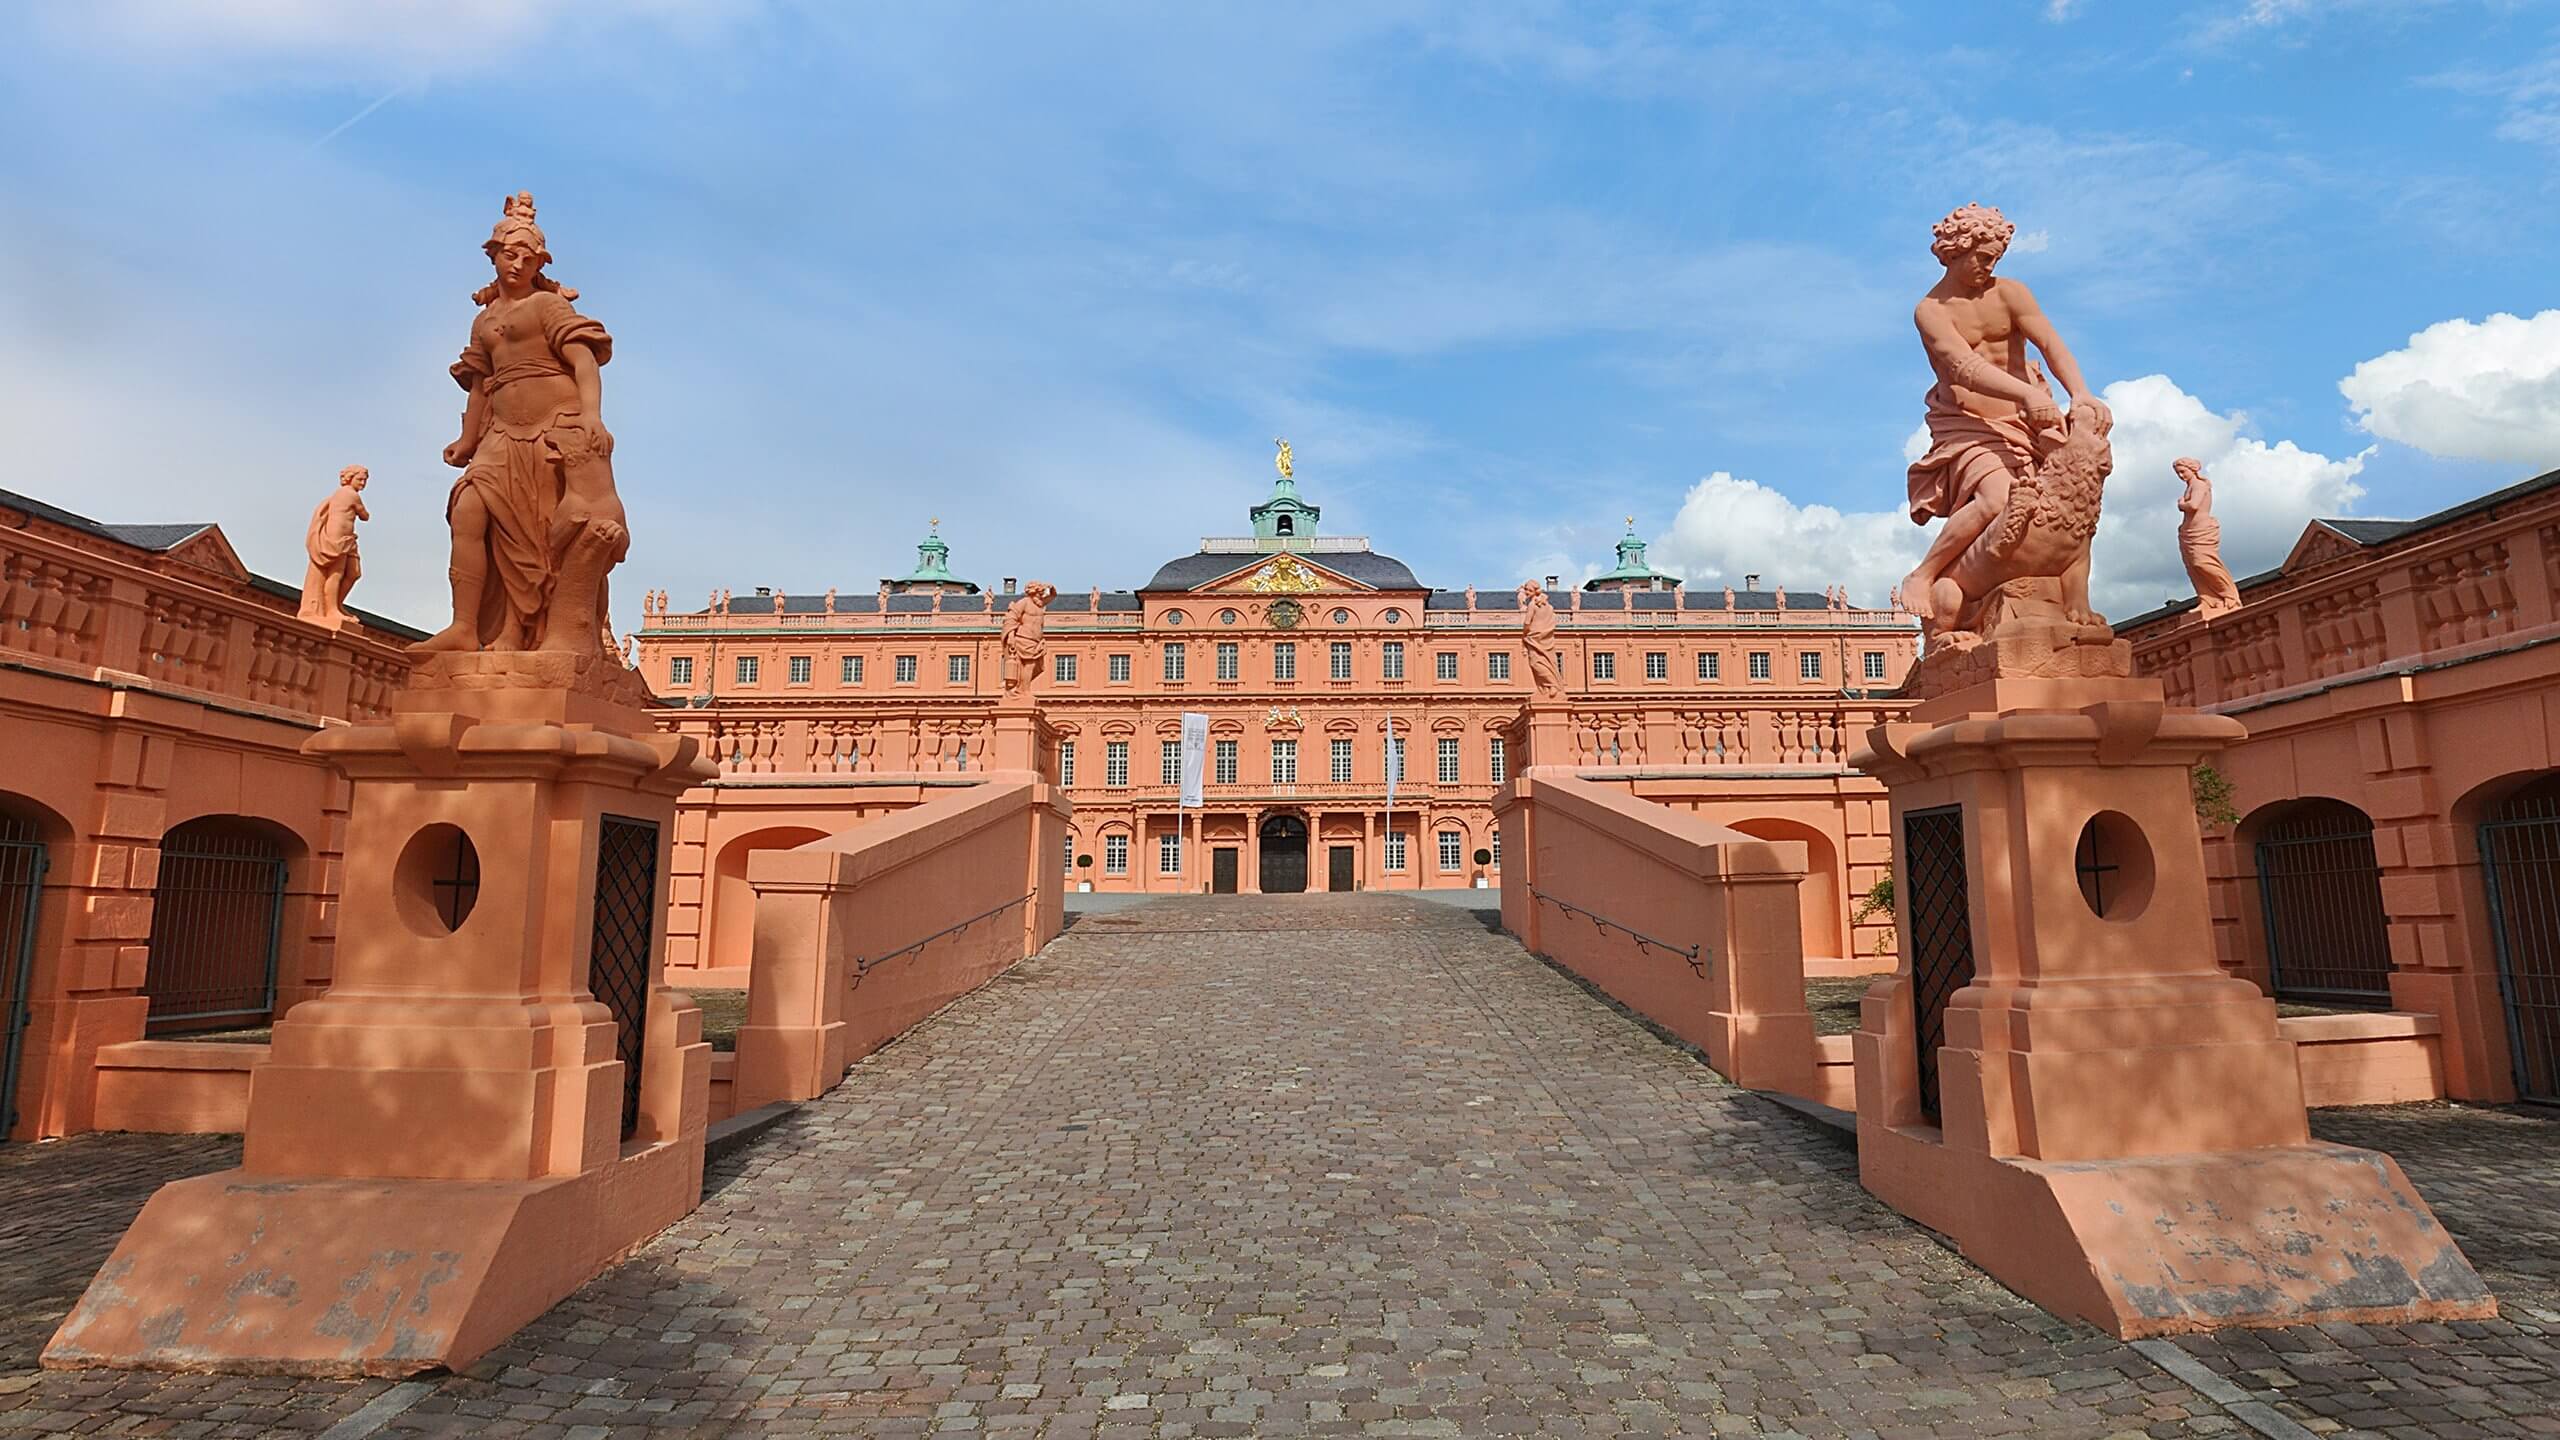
{"x":1284,"y":855}
{"x":2520,"y":864}
{"x":216,"y":917}
{"x":22,"y":863}
{"x":1941,"y":929}
{"x":618,"y":955}
{"x":2320,"y":888}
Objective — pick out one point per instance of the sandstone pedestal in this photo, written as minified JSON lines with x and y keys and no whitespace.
{"x":2108,"y":1124}
{"x":496,"y":1098}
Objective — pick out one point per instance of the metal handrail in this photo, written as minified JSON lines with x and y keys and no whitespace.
{"x":862,"y":967}
{"x":1693,"y":955}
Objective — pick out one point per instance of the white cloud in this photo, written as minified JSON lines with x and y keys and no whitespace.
{"x":2466,"y":391}
{"x":1728,"y":527}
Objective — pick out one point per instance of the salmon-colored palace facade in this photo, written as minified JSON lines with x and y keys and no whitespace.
{"x":1304,"y":650}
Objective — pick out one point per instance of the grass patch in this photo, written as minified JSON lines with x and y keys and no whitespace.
{"x":723,"y":1011}
{"x":1834,"y":1003}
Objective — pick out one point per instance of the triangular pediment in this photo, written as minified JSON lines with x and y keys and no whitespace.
{"x":2320,"y":544}
{"x":207,"y":550}
{"x":1286,"y":573}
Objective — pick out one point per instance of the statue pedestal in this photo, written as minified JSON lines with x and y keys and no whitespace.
{"x":2060,"y":1077}
{"x":495,"y":1100}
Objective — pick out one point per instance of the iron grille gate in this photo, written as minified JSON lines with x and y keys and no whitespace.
{"x":1941,"y":920}
{"x":216,"y":916}
{"x":2520,"y":862}
{"x":618,"y":954}
{"x":22,"y":862}
{"x":2320,"y":888}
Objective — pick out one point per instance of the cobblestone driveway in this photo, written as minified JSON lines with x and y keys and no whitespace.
{"x":1340,"y":1165}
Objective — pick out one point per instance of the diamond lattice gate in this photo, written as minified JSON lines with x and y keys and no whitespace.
{"x":22,"y":862}
{"x":2520,"y":864}
{"x":618,"y":958}
{"x":1941,"y":929}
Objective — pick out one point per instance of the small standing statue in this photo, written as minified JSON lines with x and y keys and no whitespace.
{"x":1024,"y":620}
{"x":2200,"y":543}
{"x":536,"y":521}
{"x":1538,"y":638}
{"x":330,"y":542}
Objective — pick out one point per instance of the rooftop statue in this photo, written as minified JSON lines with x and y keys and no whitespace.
{"x":1024,"y":621}
{"x":2200,"y":542}
{"x":2017,"y":480}
{"x":330,"y":543}
{"x":1538,"y":639}
{"x":536,"y":521}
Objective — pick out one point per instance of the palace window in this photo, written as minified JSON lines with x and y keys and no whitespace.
{"x":849,"y":670}
{"x":1657,"y":665}
{"x":747,"y":667}
{"x":1448,"y":756}
{"x":1226,"y":758}
{"x":1169,"y":854}
{"x":1175,"y":617}
{"x":1284,"y":660}
{"x":1453,"y":851}
{"x":1229,"y":659}
{"x":1809,"y":665}
{"x":1341,"y":659}
{"x":1284,"y":762}
{"x":1176,"y":661}
{"x":1070,"y":856}
{"x":1168,"y":762}
{"x":1395,"y":850}
{"x":1119,"y":669}
{"x":1497,"y":666}
{"x":1759,"y":664}
{"x":1604,"y":666}
{"x":1497,"y":847}
{"x":1341,"y":755}
{"x":1391,"y":660}
{"x":1115,"y":762}
{"x":1444,"y":666}
{"x":956,"y":669}
{"x":1062,"y":668}
{"x":1501,"y":761}
{"x":906,"y":671}
{"x":1710,"y":667}
{"x":680,"y":670}
{"x":1067,"y":763}
{"x":1115,"y":854}
{"x":1875,"y":664}
{"x":800,"y":669}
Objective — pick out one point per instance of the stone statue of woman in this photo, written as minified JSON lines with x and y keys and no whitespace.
{"x":2200,"y":542}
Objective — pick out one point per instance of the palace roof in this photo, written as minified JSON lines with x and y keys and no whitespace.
{"x":1189,"y":572}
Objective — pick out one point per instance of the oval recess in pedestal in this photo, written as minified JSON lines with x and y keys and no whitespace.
{"x":436,"y":883}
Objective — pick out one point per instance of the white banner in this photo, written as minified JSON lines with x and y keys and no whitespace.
{"x":1195,"y":755}
{"x":1394,"y":763}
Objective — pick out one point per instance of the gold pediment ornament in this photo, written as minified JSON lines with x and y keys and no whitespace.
{"x":1280,"y":717}
{"x":1284,"y":575}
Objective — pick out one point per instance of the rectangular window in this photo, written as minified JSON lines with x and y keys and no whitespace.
{"x":1497,"y":847}
{"x":747,"y":667}
{"x":1119,"y":669}
{"x":1875,"y":664}
{"x":1226,"y":772}
{"x":1067,"y":762}
{"x":680,"y":670}
{"x":1391,"y":660}
{"x":1809,"y":665}
{"x":1759,"y":664}
{"x":1177,"y":661}
{"x":1284,"y":660}
{"x":1062,"y":668}
{"x":1115,"y":854}
{"x":1444,"y":666}
{"x":1395,"y":850}
{"x":906,"y":669}
{"x":1497,"y":666}
{"x":1341,"y":756}
{"x":1070,"y":856}
{"x":1453,"y":851}
{"x":1168,"y":762}
{"x":1710,"y":667}
{"x":1284,"y":762}
{"x":1169,"y":854}
{"x":1604,"y":666}
{"x":800,"y":669}
{"x":1341,"y":659}
{"x":1228,"y":659}
{"x":957,"y":669}
{"x":849,"y":670}
{"x":1448,"y":754}
{"x":1115,"y":762}
{"x":1657,"y":665}
{"x":1501,"y":762}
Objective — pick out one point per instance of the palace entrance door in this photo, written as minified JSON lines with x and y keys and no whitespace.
{"x":1340,"y":864}
{"x":1222,"y":870}
{"x":1284,"y":855}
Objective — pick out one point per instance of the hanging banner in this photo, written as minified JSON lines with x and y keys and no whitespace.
{"x":1195,"y":756}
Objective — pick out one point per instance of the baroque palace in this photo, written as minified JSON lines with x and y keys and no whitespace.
{"x":1312,"y":655}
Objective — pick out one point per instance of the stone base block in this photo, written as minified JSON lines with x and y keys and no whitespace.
{"x":361,"y":1277}
{"x":2165,"y":1245}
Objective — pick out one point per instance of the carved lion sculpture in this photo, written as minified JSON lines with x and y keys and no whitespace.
{"x":2032,"y":560}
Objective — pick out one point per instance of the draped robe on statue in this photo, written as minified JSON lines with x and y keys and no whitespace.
{"x":517,"y":470}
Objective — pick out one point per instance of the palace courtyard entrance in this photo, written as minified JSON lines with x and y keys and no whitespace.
{"x":1284,"y":855}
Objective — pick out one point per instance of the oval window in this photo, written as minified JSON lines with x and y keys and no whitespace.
{"x":1174,"y":617}
{"x":1341,"y":617}
{"x":1394,"y":617}
{"x":1226,"y":617}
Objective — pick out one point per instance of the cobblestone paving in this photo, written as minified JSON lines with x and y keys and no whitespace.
{"x":63,"y":1206}
{"x":1330,"y":1165}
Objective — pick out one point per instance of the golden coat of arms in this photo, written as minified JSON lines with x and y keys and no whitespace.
{"x":1284,"y":575}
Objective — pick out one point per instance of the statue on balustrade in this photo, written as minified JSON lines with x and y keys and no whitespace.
{"x":330,"y":544}
{"x":2017,"y":479}
{"x":1538,"y":641}
{"x":1024,"y":621}
{"x":535,"y":517}
{"x":2200,"y":542}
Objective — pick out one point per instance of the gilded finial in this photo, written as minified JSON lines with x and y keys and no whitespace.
{"x":936,"y":523}
{"x":1631,"y":524}
{"x":1282,"y":460}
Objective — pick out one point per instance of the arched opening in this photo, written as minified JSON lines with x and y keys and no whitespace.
{"x":217,"y":925}
{"x":1284,"y":855}
{"x":25,"y":856}
{"x":2520,"y":870}
{"x":731,"y":926}
{"x":2320,"y":904}
{"x":1818,"y":901}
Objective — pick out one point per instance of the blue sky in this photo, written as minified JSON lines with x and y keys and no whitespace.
{"x":1502,"y":274}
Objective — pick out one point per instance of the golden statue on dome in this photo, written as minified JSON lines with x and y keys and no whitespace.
{"x":1282,"y":461}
